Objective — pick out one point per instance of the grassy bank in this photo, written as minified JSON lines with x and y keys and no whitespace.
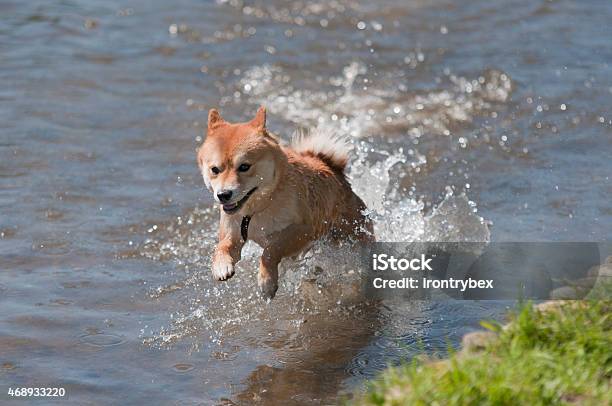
{"x":546,"y":355}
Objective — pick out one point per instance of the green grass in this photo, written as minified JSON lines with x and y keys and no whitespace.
{"x":541,"y":358}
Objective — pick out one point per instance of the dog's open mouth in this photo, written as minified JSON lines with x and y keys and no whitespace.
{"x":234,"y":207}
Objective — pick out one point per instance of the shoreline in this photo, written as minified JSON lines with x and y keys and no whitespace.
{"x":553,"y":352}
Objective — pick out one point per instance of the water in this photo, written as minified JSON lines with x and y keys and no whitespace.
{"x":476,"y":121}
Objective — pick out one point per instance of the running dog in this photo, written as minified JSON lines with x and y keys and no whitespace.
{"x":282,"y":197}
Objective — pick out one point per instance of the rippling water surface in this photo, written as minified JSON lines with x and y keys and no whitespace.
{"x":479,"y":120}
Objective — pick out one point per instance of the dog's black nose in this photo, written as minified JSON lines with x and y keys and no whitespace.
{"x":224,"y":196}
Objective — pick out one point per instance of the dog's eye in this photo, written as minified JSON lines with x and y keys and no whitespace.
{"x":215,"y":170}
{"x":244,"y":167}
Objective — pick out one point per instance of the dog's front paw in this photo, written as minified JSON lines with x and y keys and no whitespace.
{"x":223,"y":268}
{"x":267,"y":286}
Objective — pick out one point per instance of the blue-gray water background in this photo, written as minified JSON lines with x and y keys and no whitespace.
{"x":471,"y":120}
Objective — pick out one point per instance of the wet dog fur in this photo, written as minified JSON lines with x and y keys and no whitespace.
{"x":289,"y":196}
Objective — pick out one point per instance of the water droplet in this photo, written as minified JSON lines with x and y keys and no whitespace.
{"x":183,"y":367}
{"x":8,"y":366}
{"x":101,"y":340}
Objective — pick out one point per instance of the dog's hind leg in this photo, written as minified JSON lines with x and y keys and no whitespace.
{"x":290,"y":241}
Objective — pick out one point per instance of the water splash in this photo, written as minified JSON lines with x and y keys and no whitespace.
{"x":370,"y":112}
{"x":326,"y":279}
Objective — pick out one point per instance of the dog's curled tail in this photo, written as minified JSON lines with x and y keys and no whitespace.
{"x":329,"y":148}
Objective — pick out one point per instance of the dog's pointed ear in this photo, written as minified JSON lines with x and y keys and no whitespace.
{"x":214,"y":119}
{"x":259,"y":122}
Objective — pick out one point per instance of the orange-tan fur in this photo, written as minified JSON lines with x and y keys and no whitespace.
{"x":301,"y":194}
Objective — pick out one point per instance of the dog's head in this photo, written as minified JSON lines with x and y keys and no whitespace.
{"x":239,"y":162}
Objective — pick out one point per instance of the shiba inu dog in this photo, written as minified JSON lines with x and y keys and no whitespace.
{"x":282,"y":197}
